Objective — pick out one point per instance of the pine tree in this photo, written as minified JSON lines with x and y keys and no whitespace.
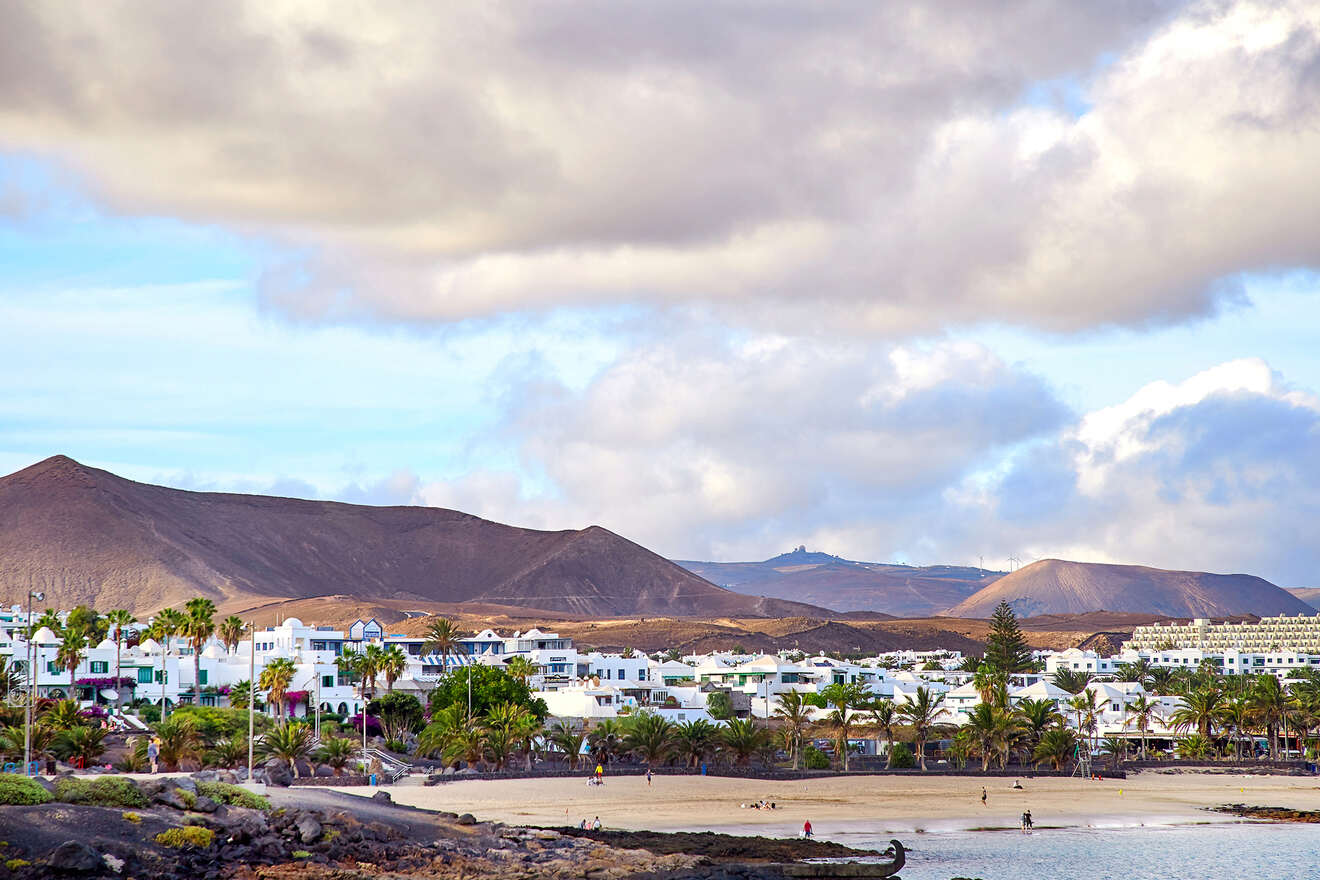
{"x":1006,"y":650}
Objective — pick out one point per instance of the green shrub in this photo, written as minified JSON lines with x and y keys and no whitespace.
{"x":19,"y":790}
{"x":105,"y":791}
{"x":233,"y":795}
{"x":814,"y":759}
{"x":131,"y":817}
{"x":149,"y":714}
{"x":301,"y":854}
{"x":15,"y":864}
{"x":189,"y":835}
{"x":902,"y":758}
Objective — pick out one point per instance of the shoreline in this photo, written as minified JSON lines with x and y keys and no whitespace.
{"x":843,"y":807}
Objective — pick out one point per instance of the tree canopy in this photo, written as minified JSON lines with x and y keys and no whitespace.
{"x":1006,"y":649}
{"x":490,"y":686}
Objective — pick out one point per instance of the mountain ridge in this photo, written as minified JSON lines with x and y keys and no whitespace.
{"x":1056,"y":586}
{"x":86,"y":535}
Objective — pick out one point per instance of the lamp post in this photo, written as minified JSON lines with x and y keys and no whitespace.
{"x":32,"y":682}
{"x":252,"y":692}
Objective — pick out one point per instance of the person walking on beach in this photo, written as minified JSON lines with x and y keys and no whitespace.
{"x":983,"y":803}
{"x":1026,"y":821}
{"x":648,"y":777}
{"x":806,"y":828}
{"x":600,"y":774}
{"x":153,"y":754}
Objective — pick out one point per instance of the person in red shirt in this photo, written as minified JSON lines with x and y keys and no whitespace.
{"x":806,"y":828}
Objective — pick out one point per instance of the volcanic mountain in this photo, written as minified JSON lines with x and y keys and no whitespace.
{"x":1053,"y":586}
{"x":85,"y":535}
{"x":844,"y":585}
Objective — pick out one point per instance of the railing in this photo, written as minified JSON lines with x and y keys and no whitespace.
{"x":390,"y":765}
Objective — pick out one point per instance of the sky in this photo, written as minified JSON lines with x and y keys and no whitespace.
{"x":943,"y":283}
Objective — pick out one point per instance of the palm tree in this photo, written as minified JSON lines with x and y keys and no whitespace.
{"x":1200,"y":709}
{"x":1074,"y":681}
{"x":743,"y":738}
{"x":1088,"y":706}
{"x":120,"y":619}
{"x":604,"y":739}
{"x":884,"y":714}
{"x":511,"y":724}
{"x":694,"y":740}
{"x":11,"y":679}
{"x":1272,"y":708}
{"x":1138,"y":671}
{"x":198,"y":627}
{"x":73,"y":647}
{"x":1162,"y":680}
{"x":845,"y":698}
{"x":922,"y":712}
{"x":520,"y":668}
{"x":650,"y":738}
{"x":993,"y":730}
{"x":230,"y":630}
{"x":240,"y":692}
{"x":1056,"y":745}
{"x":179,"y":741}
{"x":62,"y":715}
{"x":441,"y":638}
{"x":275,"y":680}
{"x":1037,"y":716}
{"x":373,"y":656}
{"x":336,"y":751}
{"x":167,"y":624}
{"x":795,"y":713}
{"x":1141,"y":712}
{"x":290,"y":742}
{"x":1116,"y":747}
{"x":392,"y":664}
{"x":568,"y":738}
{"x":1196,"y":746}
{"x":991,"y":683}
{"x":227,"y":751}
{"x":81,"y":743}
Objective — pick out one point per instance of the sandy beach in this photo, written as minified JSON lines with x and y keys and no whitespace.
{"x":861,"y":803}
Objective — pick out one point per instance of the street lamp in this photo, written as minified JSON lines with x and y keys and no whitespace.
{"x":31,"y":654}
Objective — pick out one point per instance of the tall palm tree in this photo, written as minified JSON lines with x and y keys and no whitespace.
{"x":991,"y":684}
{"x":884,"y":714}
{"x":515,"y":725}
{"x":120,"y":619}
{"x":1162,"y":680}
{"x":985,"y":726}
{"x":846,"y":698}
{"x":795,"y":715}
{"x":1272,"y":708}
{"x":1140,"y":713}
{"x":393,"y":662}
{"x":373,"y":658}
{"x":168,"y":623}
{"x":1138,"y":671}
{"x":73,"y":647}
{"x":1087,"y":706}
{"x":275,"y":680}
{"x":441,"y":638}
{"x":923,"y":711}
{"x":604,"y":739}
{"x":231,"y":630}
{"x":198,"y":627}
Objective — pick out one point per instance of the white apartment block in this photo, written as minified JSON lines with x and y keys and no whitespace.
{"x":1300,"y":635}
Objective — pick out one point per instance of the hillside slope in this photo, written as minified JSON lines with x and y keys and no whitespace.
{"x":844,"y":585}
{"x":85,"y":535}
{"x":1054,"y":586}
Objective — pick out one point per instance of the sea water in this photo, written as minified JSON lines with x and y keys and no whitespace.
{"x":1179,"y":852}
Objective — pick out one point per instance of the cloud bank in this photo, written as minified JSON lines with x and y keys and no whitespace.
{"x":877,"y":168}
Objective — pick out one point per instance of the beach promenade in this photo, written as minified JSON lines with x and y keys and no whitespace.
{"x":861,"y":803}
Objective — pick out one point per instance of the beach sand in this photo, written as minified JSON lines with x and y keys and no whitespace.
{"x":860,"y":803}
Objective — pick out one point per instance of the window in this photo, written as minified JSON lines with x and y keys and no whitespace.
{"x":622,"y":675}
{"x":144,"y":675}
{"x":100,"y":667}
{"x":161,"y":677}
{"x":50,"y":666}
{"x":327,"y":681}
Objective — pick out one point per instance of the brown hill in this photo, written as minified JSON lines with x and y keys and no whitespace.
{"x":1309,"y":595}
{"x":1053,"y":586}
{"x":85,"y":535}
{"x":844,"y":585}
